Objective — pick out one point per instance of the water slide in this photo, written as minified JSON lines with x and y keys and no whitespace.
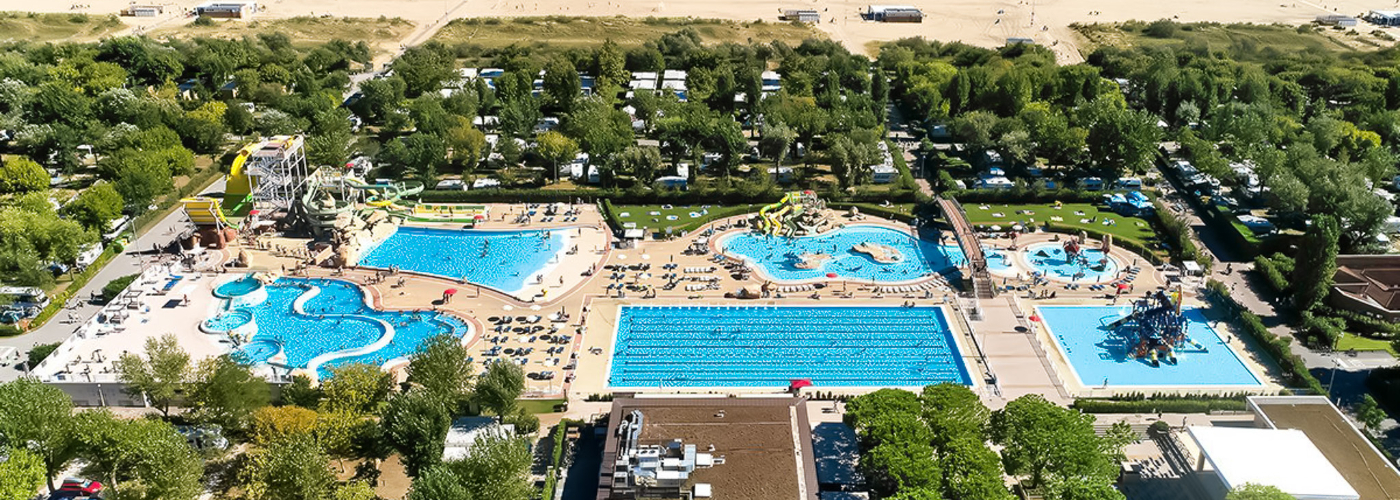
{"x":771,"y":223}
{"x":383,"y":195}
{"x":239,"y":184}
{"x":206,"y":211}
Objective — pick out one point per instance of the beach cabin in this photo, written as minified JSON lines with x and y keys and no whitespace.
{"x":803,"y":15}
{"x":894,"y":14}
{"x":227,"y":9}
{"x":143,"y":10}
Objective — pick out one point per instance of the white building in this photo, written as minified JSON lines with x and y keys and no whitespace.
{"x":466,"y":430}
{"x":227,"y":9}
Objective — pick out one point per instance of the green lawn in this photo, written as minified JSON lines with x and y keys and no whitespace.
{"x":642,"y":216}
{"x":1349,"y":342}
{"x":1131,"y":228}
{"x":536,"y":406}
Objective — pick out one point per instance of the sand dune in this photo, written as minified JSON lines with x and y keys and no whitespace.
{"x":979,"y":22}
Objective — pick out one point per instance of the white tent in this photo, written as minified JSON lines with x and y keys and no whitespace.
{"x":1282,"y":458}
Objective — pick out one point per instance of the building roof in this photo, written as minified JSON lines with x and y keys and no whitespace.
{"x":1282,"y":458}
{"x":465,"y":431}
{"x":1363,"y":466}
{"x":1371,"y":278}
{"x":761,"y":450}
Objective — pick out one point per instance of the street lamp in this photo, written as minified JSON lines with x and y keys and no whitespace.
{"x":1336,"y":365}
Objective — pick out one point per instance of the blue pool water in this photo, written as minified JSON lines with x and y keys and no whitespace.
{"x":997,"y":260}
{"x":717,"y":346}
{"x":503,"y":260}
{"x":336,"y":319}
{"x":1049,"y":259}
{"x":237,"y":288}
{"x":1096,"y":355}
{"x":228,"y":321}
{"x":778,"y":256}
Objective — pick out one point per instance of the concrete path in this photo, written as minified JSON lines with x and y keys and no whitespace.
{"x":140,"y":253}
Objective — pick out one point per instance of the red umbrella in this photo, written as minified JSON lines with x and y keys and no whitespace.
{"x":799,"y":383}
{"x":1035,"y":318}
{"x":450,"y":291}
{"x":831,"y":275}
{"x":1122,"y":286}
{"x":254,"y":212}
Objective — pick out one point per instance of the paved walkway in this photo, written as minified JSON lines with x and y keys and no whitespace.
{"x":137,"y":255}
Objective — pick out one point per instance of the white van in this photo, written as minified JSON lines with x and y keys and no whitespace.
{"x":1091,"y":183}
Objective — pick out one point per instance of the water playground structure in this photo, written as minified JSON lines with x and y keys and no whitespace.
{"x":798,"y":213}
{"x":1155,"y":330}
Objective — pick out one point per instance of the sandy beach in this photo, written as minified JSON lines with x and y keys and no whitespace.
{"x":985,"y":23}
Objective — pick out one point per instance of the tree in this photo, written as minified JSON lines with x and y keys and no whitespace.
{"x":39,"y":417}
{"x":640,"y":162}
{"x":354,"y":490}
{"x":356,"y":388}
{"x":1316,"y":262}
{"x":971,"y":470}
{"x":952,"y":411}
{"x":226,"y":392}
{"x":289,"y":469}
{"x":610,"y":64}
{"x":496,"y":469}
{"x":1080,"y":488}
{"x":499,"y":387}
{"x":140,"y":458}
{"x":561,"y":84}
{"x":21,"y":473}
{"x":416,"y":423}
{"x":160,"y":376}
{"x":423,"y":68}
{"x":777,"y":141}
{"x":975,"y":129}
{"x":379,"y":98}
{"x":275,"y":423}
{"x":301,"y":393}
{"x":556,"y":148}
{"x":1370,"y":413}
{"x":1042,"y":439}
{"x":96,"y":206}
{"x":466,"y":143}
{"x":851,"y":154}
{"x":443,"y":368}
{"x":418,"y":153}
{"x":600,"y":129}
{"x":139,"y":177}
{"x":893,"y":467}
{"x":22,"y":175}
{"x":1252,"y":491}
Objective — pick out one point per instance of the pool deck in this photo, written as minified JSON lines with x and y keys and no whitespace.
{"x":1005,"y":354}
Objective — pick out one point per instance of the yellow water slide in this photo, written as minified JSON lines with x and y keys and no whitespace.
{"x":769,"y":223}
{"x":205,"y":211}
{"x":239,"y":185}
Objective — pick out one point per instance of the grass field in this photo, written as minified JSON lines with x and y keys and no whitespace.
{"x":537,"y":406}
{"x":642,"y":216}
{"x":36,"y":27}
{"x":1349,"y":342}
{"x":562,"y":33}
{"x":1255,"y":42}
{"x":1126,"y":228}
{"x":304,"y":31}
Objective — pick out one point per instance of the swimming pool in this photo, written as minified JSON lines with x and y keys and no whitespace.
{"x":742,"y":346}
{"x":1096,"y":355}
{"x":778,"y":257}
{"x":1049,"y":259}
{"x":319,"y":323}
{"x":503,"y":260}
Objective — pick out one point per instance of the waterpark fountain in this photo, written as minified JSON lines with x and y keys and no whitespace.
{"x":1155,"y":329}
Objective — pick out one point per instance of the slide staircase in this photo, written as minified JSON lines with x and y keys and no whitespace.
{"x":204,"y":211}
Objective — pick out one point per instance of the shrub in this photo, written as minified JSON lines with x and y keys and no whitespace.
{"x":1273,"y":274}
{"x":203,"y":21}
{"x":1158,"y":405}
{"x":525,"y":423}
{"x":39,"y":352}
{"x":1159,"y":427}
{"x":113,"y":288}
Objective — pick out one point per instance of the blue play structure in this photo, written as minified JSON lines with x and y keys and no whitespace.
{"x":1132,"y":204}
{"x":1155,"y":328}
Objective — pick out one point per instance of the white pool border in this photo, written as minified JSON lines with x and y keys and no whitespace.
{"x":557,"y":258}
{"x":753,"y":263}
{"x":956,"y":336}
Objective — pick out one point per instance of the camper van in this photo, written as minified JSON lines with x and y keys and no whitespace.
{"x":1091,"y":183}
{"x":1130,"y":183}
{"x":25,"y":302}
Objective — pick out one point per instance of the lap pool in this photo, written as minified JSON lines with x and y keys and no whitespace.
{"x":742,"y":346}
{"x":1097,"y":356}
{"x":504,"y":260}
{"x":319,"y":323}
{"x":780,"y":258}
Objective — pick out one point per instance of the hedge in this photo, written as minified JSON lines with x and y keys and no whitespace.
{"x":1364,"y":325}
{"x":115,"y":287}
{"x":551,"y":479}
{"x":1175,"y":232}
{"x":1024,"y":195}
{"x":743,"y":194}
{"x":79,"y":281}
{"x":1272,"y":274}
{"x":1276,"y":347}
{"x":1158,"y":405}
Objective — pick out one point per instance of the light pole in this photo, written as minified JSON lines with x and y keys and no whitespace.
{"x":1336,"y":365}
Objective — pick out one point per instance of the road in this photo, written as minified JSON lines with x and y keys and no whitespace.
{"x":162,"y":235}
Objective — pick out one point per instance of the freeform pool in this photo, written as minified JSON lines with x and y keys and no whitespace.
{"x":1050,"y":260}
{"x":743,"y":346}
{"x":1098,"y":357}
{"x":778,"y":256}
{"x":503,"y":260}
{"x":328,"y":322}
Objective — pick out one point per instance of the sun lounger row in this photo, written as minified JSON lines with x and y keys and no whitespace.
{"x":796,"y":288}
{"x":696,"y":288}
{"x":710,"y":269}
{"x":908,"y":288}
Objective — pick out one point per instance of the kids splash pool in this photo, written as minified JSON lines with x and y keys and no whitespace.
{"x":1098,"y":357}
{"x":320,"y":323}
{"x":836,"y":252}
{"x":1051,"y":260}
{"x":504,"y":260}
{"x":742,"y":346}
